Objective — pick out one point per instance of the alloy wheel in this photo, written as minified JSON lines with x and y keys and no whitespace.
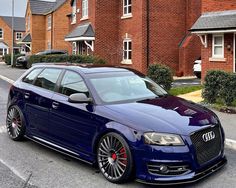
{"x":14,"y":123}
{"x":112,"y":157}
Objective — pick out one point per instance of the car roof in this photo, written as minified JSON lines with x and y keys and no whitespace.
{"x":88,"y":69}
{"x":51,"y":51}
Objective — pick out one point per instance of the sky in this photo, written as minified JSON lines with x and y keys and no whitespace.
{"x":20,"y":6}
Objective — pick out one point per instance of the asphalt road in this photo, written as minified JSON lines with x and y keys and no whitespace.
{"x":28,"y":164}
{"x":186,"y":82}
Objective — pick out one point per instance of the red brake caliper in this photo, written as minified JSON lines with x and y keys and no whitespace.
{"x":114,"y":157}
{"x":124,"y":155}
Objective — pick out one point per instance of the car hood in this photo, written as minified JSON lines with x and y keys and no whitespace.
{"x":167,"y":114}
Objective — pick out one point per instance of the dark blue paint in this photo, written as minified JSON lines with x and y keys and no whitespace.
{"x":78,"y":127}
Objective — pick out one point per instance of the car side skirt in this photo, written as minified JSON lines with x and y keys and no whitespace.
{"x":57,"y":148}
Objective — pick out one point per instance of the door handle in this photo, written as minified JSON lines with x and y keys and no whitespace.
{"x":27,"y":95}
{"x":55,"y":105}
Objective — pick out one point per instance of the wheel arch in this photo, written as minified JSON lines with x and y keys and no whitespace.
{"x":127,"y":133}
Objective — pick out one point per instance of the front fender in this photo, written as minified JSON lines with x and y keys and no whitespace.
{"x":131,"y":136}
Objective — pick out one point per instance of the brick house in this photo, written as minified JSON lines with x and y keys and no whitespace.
{"x":6,"y":33}
{"x":46,"y":25}
{"x":216,"y":29}
{"x":136,"y":33}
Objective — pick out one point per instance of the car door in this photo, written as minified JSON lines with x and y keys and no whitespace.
{"x":73,"y":125}
{"x":38,"y":101}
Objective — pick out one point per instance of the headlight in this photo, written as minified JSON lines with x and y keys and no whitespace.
{"x":163,"y":139}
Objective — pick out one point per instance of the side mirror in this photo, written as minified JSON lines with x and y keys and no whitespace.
{"x":79,"y":98}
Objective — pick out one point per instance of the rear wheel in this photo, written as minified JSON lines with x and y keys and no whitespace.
{"x":15,"y":123}
{"x":114,"y":158}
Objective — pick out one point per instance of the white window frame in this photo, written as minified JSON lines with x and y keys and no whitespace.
{"x":74,"y":48}
{"x":126,"y":6}
{"x":49,"y":20}
{"x":21,"y":35}
{"x":126,"y":43}
{"x":73,"y":15}
{"x":85,"y":8}
{"x":217,"y":45}
{"x":1,"y":31}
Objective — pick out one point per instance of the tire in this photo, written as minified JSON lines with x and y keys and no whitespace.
{"x":114,"y":158}
{"x":27,"y":65}
{"x":15,"y":123}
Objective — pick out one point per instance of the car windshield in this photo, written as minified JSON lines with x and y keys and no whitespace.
{"x":128,"y":87}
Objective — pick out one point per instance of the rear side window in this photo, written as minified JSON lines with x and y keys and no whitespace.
{"x":31,"y":76}
{"x":73,"y":83}
{"x":48,"y":78}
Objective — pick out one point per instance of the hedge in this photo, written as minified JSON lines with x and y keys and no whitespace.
{"x":7,"y":59}
{"x":219,"y":85}
{"x":161,"y":74}
{"x":65,"y":58}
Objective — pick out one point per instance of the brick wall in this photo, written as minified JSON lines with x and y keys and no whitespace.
{"x":190,"y":48}
{"x":218,"y":5}
{"x":60,"y":27}
{"x":38,"y":33}
{"x":167,"y":28}
{"x":226,"y":65}
{"x":134,"y":29}
{"x":107,"y":30}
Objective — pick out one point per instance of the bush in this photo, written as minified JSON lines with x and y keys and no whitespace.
{"x":7,"y":59}
{"x":65,"y":58}
{"x":161,"y":74}
{"x":219,"y":86}
{"x":229,"y":92}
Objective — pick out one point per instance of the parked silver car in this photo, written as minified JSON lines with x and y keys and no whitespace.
{"x":197,"y":67}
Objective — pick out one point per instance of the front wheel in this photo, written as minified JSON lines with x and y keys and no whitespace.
{"x":15,"y":123}
{"x":114,"y":158}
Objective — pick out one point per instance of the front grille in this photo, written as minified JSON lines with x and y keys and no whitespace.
{"x":171,"y":169}
{"x":207,"y":150}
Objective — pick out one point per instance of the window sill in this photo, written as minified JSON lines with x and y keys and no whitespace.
{"x":217,"y":59}
{"x":49,"y":29}
{"x":73,"y":23}
{"x":126,"y":62}
{"x":126,"y":16}
{"x":84,"y":18}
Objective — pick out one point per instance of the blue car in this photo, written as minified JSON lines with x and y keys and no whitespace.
{"x":117,"y":119}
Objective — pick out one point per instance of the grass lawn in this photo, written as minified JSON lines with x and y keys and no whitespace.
{"x":183,"y":90}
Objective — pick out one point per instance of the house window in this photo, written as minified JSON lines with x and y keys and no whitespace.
{"x":73,"y":15}
{"x":127,"y":7}
{"x":84,"y":9}
{"x":3,"y":51}
{"x":127,"y":50}
{"x":1,"y":33}
{"x":218,"y":46}
{"x":74,"y":48}
{"x":28,"y":28}
{"x":49,"y":22}
{"x":19,"y":35}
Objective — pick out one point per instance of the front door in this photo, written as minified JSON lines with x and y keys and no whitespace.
{"x":38,"y":101}
{"x":72,"y":125}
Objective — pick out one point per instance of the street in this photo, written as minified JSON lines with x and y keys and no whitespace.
{"x":28,"y":164}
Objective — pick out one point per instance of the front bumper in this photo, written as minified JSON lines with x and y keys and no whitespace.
{"x":191,"y":178}
{"x":184,"y":163}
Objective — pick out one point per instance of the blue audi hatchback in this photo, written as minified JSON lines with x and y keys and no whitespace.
{"x":118,"y":119}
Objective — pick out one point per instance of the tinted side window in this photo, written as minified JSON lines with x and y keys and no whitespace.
{"x":48,"y":78}
{"x":73,"y":83}
{"x":31,"y":76}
